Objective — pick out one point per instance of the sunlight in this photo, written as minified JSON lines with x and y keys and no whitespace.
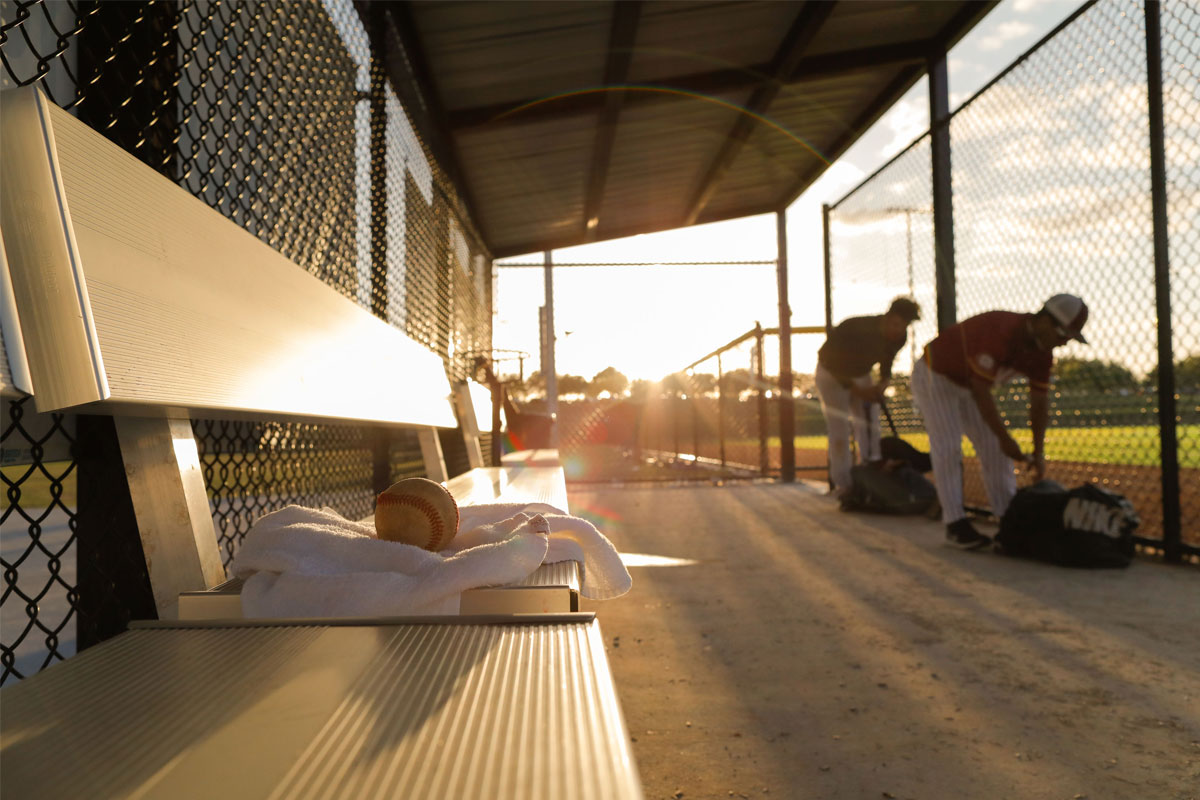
{"x":646,"y":560}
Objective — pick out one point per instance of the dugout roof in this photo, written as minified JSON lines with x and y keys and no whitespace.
{"x":568,"y":122}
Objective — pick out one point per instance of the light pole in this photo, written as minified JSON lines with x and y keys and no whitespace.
{"x":912,"y":288}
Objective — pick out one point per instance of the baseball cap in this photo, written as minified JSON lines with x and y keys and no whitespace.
{"x":905,"y":308}
{"x":1070,"y":312}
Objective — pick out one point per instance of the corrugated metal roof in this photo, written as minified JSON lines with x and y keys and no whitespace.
{"x":636,"y":116}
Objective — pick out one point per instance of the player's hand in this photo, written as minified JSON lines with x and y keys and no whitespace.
{"x":1011,"y":449}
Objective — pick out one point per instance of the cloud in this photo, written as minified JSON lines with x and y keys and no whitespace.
{"x":907,"y":120}
{"x":1005,"y":32}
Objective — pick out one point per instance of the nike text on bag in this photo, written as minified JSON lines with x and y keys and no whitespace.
{"x":1085,"y":527}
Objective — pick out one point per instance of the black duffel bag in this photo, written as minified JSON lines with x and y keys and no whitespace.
{"x":1084,"y":527}
{"x":888,"y":489}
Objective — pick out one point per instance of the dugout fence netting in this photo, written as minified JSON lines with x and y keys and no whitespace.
{"x":1052,"y":192}
{"x":288,"y":120}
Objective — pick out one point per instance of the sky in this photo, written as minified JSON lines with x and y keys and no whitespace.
{"x":650,"y":322}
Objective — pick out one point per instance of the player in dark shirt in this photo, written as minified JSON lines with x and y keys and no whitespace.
{"x":849,"y":397}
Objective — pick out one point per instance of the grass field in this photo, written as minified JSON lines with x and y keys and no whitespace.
{"x":1132,"y":445}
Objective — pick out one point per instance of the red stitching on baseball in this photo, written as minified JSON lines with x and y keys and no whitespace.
{"x":425,"y":507}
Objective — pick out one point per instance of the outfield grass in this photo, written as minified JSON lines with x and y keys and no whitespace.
{"x":35,"y":489}
{"x":1135,"y":445}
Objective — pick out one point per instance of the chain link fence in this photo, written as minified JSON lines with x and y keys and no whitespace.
{"x":713,"y":419}
{"x":286,"y":118}
{"x":1052,"y":193}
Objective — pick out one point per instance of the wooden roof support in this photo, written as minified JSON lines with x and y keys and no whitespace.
{"x":808,"y":22}
{"x":714,"y":82}
{"x":621,"y":40}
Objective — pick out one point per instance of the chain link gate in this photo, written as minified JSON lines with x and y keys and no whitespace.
{"x":1052,"y":193}
{"x":285,"y":118}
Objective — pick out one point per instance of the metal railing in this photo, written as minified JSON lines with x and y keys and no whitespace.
{"x":716,"y":417}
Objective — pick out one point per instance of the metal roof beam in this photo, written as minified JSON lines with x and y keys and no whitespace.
{"x":712,"y":83}
{"x":962,"y":22}
{"x":539,"y":245}
{"x":808,"y":22}
{"x":883,"y":101}
{"x":621,"y":41}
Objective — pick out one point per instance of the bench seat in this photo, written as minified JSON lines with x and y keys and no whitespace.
{"x":484,"y":707}
{"x":553,"y":588}
{"x":116,"y":276}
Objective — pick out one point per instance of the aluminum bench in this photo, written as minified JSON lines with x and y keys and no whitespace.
{"x":115,"y":272}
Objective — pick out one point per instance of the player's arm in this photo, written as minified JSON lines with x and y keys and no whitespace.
{"x":1039,"y":413}
{"x":885,"y":370}
{"x":981,"y":392}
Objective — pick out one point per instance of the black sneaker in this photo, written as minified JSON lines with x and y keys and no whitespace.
{"x":961,"y":533}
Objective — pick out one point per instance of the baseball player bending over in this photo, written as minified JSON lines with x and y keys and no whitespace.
{"x":848,"y":395}
{"x":952,"y":386}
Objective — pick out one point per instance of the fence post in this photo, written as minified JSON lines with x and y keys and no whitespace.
{"x":549,"y":368}
{"x":760,"y":374}
{"x":381,"y":437}
{"x":943,"y":208}
{"x":720,"y":412}
{"x":495,"y":456}
{"x":1169,"y":442}
{"x":675,"y":413}
{"x":787,"y":405}
{"x":825,"y":209}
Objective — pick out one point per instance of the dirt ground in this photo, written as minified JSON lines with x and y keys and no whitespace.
{"x":801,"y":652}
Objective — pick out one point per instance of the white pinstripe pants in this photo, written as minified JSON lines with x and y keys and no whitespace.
{"x":844,"y":411}
{"x":949,"y":411}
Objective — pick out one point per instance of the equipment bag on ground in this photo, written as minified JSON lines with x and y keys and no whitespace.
{"x":888,"y":490}
{"x":1083,"y":527}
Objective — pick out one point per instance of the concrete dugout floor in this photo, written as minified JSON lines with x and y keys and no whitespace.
{"x":810,"y":653}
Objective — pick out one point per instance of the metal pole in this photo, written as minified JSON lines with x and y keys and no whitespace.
{"x":676,"y":415}
{"x":912,"y":288}
{"x":943,"y":208}
{"x":720,"y":411}
{"x":760,"y":373}
{"x":1172,"y":521}
{"x":379,"y":170}
{"x":787,"y":414}
{"x":549,"y":369}
{"x":825,"y":209}
{"x":381,"y":437}
{"x":496,"y":452}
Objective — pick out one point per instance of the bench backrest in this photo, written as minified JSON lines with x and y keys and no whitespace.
{"x":134,"y":298}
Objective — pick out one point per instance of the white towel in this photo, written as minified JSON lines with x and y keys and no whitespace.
{"x":571,"y":539}
{"x":307,"y":562}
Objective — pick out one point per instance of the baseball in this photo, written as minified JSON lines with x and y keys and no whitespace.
{"x":417,"y":511}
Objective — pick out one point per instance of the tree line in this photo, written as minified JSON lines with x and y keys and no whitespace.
{"x":1071,"y":374}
